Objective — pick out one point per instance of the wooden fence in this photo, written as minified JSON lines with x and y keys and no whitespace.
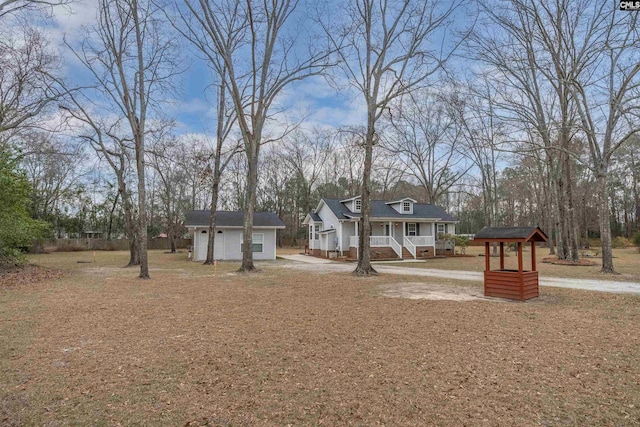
{"x":64,"y":245}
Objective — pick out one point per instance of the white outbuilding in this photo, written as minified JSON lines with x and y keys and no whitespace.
{"x":229,"y":232}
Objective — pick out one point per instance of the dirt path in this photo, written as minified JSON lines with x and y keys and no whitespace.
{"x":309,"y":263}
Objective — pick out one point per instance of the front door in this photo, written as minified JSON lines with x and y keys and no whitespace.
{"x":387,"y":230}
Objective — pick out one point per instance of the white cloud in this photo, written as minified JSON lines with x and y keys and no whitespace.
{"x":70,"y":19}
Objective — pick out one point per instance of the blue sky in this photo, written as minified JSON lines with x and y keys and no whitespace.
{"x":312,"y":99}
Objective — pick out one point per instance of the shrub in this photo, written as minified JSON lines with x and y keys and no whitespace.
{"x":620,"y":242}
{"x":463,"y":242}
{"x":636,"y":239}
{"x":69,"y":246}
{"x":17,"y":229}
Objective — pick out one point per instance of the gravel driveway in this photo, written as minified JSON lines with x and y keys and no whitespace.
{"x":319,"y":265}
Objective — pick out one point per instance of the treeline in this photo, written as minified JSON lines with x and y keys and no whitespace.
{"x":522,"y":113}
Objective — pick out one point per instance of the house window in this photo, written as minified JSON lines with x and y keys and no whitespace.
{"x":316,"y":235}
{"x":406,"y":206}
{"x":411,"y":229}
{"x":440,"y":228}
{"x":358,"y":205}
{"x":257,"y":242}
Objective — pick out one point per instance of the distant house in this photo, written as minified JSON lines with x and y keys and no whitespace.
{"x":229,"y":229}
{"x":400,"y":228}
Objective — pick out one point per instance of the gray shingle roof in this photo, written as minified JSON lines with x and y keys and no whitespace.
{"x":314,"y":216}
{"x":232,"y":219}
{"x":380,"y":209}
{"x":510,"y":233}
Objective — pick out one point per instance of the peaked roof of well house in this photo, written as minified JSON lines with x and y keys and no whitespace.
{"x":524,"y":234}
{"x":232,"y":219}
{"x":380,"y":209}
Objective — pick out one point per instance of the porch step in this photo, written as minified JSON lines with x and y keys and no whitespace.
{"x":406,"y":254}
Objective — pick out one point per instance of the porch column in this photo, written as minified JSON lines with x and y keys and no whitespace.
{"x":390,"y":228}
{"x":404,"y":231}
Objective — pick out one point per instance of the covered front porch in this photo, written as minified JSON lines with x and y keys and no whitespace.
{"x":397,"y":239}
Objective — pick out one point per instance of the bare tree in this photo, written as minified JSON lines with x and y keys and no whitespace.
{"x":387,"y":49}
{"x":226,"y":115}
{"x":608,"y":102}
{"x":12,"y":7}
{"x":166,"y":154}
{"x":540,"y":49}
{"x":258,"y":43}
{"x":27,"y":85}
{"x":54,"y":167}
{"x":132,"y":59}
{"x":306,"y":153}
{"x":110,"y":145}
{"x":426,"y":135}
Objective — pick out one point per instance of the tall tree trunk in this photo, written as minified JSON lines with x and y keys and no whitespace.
{"x":252,"y":185}
{"x":172,"y":237}
{"x":113,"y":208}
{"x":134,"y":252}
{"x":132,"y":235}
{"x":142,"y":207}
{"x":571,"y":222}
{"x":604,"y":220}
{"x":212,"y":221}
{"x":364,"y":266}
{"x":548,"y":200}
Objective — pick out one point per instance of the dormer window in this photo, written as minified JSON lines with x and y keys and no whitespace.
{"x":357,"y":205}
{"x":406,"y":207}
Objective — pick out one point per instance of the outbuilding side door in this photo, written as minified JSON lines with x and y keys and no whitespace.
{"x":201,"y":248}
{"x":218,"y":245}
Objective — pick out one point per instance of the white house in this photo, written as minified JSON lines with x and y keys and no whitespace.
{"x":229,"y":228}
{"x":399,"y":229}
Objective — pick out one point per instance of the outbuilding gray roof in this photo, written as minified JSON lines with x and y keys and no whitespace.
{"x":380,"y":209}
{"x":232,"y":219}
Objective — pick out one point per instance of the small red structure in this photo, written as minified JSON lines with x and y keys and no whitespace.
{"x":513,"y":284}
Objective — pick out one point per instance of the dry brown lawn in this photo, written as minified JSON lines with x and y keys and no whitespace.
{"x":100,"y":347}
{"x":626,"y":261}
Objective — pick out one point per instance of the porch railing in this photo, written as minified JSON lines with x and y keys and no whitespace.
{"x":386,"y":242}
{"x":421,"y":240}
{"x":380,"y":241}
{"x":397,"y":248}
{"x":410,"y":247}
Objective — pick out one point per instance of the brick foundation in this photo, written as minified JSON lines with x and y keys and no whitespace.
{"x":383,"y":253}
{"x":424,"y":251}
{"x":353,"y":252}
{"x":315,"y":252}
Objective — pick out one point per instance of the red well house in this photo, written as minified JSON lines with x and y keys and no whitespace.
{"x":517,"y":284}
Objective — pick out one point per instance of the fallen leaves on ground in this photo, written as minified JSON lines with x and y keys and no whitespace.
{"x":285,"y":347}
{"x":26,"y":275}
{"x":580,"y":263}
